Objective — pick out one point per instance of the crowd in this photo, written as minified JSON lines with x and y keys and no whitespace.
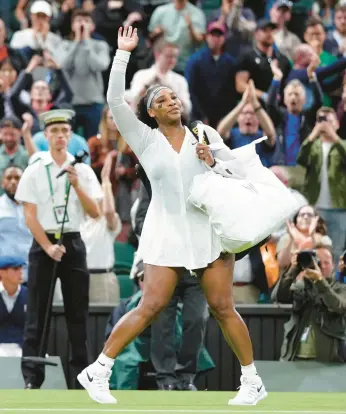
{"x":247,"y":68}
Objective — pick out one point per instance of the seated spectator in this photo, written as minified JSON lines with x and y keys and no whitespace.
{"x":255,"y":64}
{"x":336,"y":39}
{"x":240,"y":22}
{"x":99,"y":236}
{"x":83,"y":60}
{"x":285,"y":41}
{"x":315,"y":36}
{"x":42,"y":98}
{"x":166,"y":55}
{"x":305,"y":231}
{"x":15,"y":237}
{"x":38,"y":37}
{"x":253,"y":123}
{"x":181,"y":23}
{"x":7,"y":52}
{"x":13,"y":302}
{"x":11,"y":150}
{"x":292,"y":122}
{"x":215,"y":69}
{"x":323,"y":154}
{"x":316,"y":329}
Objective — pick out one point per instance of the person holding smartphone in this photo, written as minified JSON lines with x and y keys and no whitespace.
{"x":323,"y":154}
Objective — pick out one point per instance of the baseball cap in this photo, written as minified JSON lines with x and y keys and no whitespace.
{"x":41,"y":6}
{"x":216,"y":27}
{"x":283,"y":4}
{"x":10,"y":122}
{"x":11,"y":261}
{"x":263,"y":24}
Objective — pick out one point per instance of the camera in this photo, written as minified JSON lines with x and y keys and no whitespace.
{"x":306,"y":259}
{"x":321,"y":118}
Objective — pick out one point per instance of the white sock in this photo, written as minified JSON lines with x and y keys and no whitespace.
{"x":104,"y":360}
{"x":249,"y":370}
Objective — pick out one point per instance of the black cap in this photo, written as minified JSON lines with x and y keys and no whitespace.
{"x":11,"y":122}
{"x":263,"y":24}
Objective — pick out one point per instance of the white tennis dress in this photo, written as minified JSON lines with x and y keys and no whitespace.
{"x":175,"y":233}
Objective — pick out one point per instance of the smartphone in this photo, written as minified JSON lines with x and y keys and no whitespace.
{"x":322,"y":118}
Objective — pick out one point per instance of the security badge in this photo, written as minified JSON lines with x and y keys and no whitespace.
{"x":59,"y":213}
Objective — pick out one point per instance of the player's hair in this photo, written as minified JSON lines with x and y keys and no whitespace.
{"x":142,"y":111}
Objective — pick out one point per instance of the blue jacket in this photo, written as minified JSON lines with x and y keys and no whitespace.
{"x":211,"y":84}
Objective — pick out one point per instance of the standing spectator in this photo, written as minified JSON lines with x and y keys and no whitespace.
{"x":323,"y":154}
{"x":250,"y":116}
{"x":292,"y":122}
{"x":336,"y":39}
{"x":99,"y":235}
{"x":315,"y":36}
{"x":215,"y":70}
{"x":181,"y":23}
{"x":7,"y":52}
{"x":61,"y":23}
{"x":15,"y":237}
{"x":255,"y":64}
{"x":84,"y":59}
{"x":44,"y":198}
{"x":325,"y":11}
{"x":306,"y":231}
{"x":285,"y":41}
{"x":13,"y":302}
{"x":166,"y":56}
{"x":11,"y":150}
{"x":39,"y":36}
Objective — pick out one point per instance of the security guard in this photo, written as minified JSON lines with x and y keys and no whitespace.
{"x":44,"y":197}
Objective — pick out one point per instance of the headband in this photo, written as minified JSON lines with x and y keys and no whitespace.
{"x":153,"y":94}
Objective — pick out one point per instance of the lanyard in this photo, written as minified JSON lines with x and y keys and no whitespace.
{"x":67,"y":185}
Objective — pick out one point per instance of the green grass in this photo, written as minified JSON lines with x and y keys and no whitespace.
{"x":136,"y":402}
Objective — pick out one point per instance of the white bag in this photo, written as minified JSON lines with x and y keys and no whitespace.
{"x":244,"y":210}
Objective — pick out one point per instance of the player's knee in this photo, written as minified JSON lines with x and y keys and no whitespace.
{"x":152,"y":307}
{"x":221,"y":307}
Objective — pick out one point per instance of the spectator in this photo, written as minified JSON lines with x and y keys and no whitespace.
{"x":11,"y":151}
{"x":7,"y":52}
{"x":250,"y":116}
{"x":285,"y":41}
{"x":240,"y":22}
{"x":324,"y":10}
{"x":13,"y":302}
{"x":215,"y":69}
{"x":181,"y":23}
{"x":323,"y":154}
{"x":315,"y":36}
{"x":255,"y":64}
{"x":316,"y":329}
{"x":305,"y":231}
{"x":341,"y":273}
{"x":61,"y":23}
{"x":38,"y":37}
{"x":84,"y":59}
{"x":99,"y":236}
{"x":336,"y":39}
{"x":292,"y":121}
{"x":166,"y":56}
{"x":15,"y":237}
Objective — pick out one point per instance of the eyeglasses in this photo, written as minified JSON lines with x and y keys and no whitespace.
{"x":308,"y":215}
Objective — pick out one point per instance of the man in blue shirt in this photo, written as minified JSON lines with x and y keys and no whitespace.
{"x":253,"y":123}
{"x":15,"y":237}
{"x":210,"y":73}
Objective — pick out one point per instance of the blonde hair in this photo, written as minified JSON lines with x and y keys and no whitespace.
{"x":104,"y":132}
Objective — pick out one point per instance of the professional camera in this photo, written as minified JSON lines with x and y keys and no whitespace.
{"x":306,"y":259}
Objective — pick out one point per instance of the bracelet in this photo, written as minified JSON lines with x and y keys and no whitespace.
{"x":258,"y":108}
{"x":214,"y":163}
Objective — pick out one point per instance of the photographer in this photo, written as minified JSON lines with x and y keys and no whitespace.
{"x":316,"y":329}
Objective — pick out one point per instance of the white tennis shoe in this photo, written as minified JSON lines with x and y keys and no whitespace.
{"x":96,"y":381}
{"x":251,"y":391}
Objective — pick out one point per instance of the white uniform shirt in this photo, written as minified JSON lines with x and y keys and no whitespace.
{"x":9,"y":300}
{"x":99,"y":242}
{"x":175,"y":233}
{"x":34,"y":188}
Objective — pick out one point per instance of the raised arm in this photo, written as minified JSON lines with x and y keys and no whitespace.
{"x":138,"y":135}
